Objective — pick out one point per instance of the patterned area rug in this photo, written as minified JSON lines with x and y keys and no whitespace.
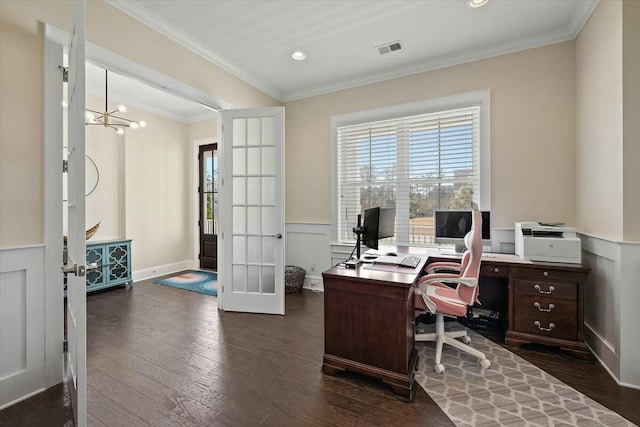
{"x":197,"y":281}
{"x":512,"y":392}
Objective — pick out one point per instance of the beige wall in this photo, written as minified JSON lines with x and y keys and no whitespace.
{"x":599,"y":123}
{"x":106,"y":203}
{"x":21,"y":137}
{"x":143,"y":192}
{"x":631,"y":118}
{"x":532,"y":133}
{"x":205,"y":129}
{"x":21,"y":151}
{"x":157,"y":160}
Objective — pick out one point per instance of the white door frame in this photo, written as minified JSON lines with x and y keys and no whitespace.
{"x":55,"y":41}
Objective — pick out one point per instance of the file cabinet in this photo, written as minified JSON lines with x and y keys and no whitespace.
{"x":546,"y":306}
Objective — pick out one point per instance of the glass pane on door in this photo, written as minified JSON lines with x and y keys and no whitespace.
{"x":209,"y":193}
{"x":253,"y":199}
{"x":209,"y":197}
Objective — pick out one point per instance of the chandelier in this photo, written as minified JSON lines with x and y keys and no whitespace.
{"x":109,"y":118}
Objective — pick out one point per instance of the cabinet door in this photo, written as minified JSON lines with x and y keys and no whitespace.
{"x":96,"y":278}
{"x":119,"y":263}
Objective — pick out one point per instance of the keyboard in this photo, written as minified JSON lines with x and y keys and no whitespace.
{"x":409,"y":262}
{"x":406,"y":261}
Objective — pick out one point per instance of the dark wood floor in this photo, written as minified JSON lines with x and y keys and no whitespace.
{"x":163,"y":356}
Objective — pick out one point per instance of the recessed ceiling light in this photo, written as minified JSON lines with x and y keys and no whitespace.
{"x":477,"y":3}
{"x":298,"y":55}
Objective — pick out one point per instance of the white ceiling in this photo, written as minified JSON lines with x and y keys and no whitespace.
{"x":135,"y":94}
{"x":254,"y":39}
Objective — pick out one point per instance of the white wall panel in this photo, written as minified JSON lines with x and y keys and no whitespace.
{"x":308,"y":246}
{"x":612,"y":296}
{"x":22,"y":323}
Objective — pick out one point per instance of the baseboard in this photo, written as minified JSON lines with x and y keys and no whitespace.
{"x":21,"y":386}
{"x":603,"y":352}
{"x":161,"y":270}
{"x":313,"y":283}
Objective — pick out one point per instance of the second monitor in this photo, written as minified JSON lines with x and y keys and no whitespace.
{"x":379,"y":223}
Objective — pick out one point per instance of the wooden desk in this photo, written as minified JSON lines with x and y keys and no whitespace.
{"x":544,"y":301}
{"x":369,"y":324}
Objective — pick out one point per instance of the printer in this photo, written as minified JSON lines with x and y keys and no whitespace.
{"x":551,"y":242}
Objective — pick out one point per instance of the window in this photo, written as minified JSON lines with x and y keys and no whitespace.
{"x":432,"y":158}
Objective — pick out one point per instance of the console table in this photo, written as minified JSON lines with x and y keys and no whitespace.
{"x":113,"y":258}
{"x":369,"y":324}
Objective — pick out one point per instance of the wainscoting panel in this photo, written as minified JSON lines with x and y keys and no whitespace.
{"x":308,"y":246}
{"x":22,"y":324}
{"x":612,"y":298}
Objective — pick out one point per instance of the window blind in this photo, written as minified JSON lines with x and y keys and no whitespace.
{"x":415,"y":164}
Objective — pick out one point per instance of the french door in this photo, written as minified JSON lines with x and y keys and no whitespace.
{"x":253,"y":210}
{"x":208,"y":192}
{"x":76,"y":307}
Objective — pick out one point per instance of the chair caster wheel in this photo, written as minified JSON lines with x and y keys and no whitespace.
{"x":485,"y":363}
{"x":439,"y":368}
{"x":466,"y":339}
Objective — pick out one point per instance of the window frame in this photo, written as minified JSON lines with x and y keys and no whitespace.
{"x":479,"y":98}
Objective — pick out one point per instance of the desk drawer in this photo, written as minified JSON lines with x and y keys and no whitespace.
{"x":493,"y":270}
{"x":544,"y":288}
{"x":560,"y":322}
{"x":541,"y":273}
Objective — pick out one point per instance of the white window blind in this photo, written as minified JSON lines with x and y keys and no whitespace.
{"x":415,"y":164}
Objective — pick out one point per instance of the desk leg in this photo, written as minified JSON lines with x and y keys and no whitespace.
{"x":401,"y":384}
{"x":331,"y":370}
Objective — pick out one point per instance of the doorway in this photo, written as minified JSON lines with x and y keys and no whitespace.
{"x":208,"y":196}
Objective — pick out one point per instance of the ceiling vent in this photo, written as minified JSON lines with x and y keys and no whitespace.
{"x":389,"y":47}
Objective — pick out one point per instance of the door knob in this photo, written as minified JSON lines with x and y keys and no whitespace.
{"x":75,"y":269}
{"x":277,"y":235}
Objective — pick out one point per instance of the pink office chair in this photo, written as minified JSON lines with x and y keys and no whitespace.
{"x":434,"y":296}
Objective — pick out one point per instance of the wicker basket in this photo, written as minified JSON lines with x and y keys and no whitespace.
{"x":293,"y":279}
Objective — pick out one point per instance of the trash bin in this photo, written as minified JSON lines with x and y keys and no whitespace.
{"x":293,"y":279}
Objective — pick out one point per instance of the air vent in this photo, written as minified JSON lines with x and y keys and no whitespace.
{"x":389,"y":47}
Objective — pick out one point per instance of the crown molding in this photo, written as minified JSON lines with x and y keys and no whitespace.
{"x":433,"y":64}
{"x":581,"y":16}
{"x":153,"y":21}
{"x":132,"y":8}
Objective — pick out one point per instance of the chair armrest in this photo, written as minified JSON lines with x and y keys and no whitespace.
{"x":435,"y":266}
{"x":449,"y":278}
{"x":438,"y":277}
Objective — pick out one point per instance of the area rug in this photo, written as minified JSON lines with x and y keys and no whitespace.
{"x":512,"y":392}
{"x":197,"y":281}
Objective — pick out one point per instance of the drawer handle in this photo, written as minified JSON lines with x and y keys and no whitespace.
{"x":551,"y":326}
{"x":537,"y":305}
{"x":496,"y":270}
{"x":551,"y":289}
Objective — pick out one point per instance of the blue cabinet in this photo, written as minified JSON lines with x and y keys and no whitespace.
{"x":113,"y":259}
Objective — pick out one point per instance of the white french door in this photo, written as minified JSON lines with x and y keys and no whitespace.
{"x":76,"y":307}
{"x":252,"y":219}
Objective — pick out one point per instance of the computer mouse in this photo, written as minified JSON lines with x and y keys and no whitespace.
{"x":392,"y":254}
{"x":370,"y":256}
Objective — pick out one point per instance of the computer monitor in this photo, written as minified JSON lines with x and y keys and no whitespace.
{"x":452,"y":226}
{"x":379,"y":223}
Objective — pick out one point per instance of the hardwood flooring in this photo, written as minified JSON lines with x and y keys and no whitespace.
{"x":163,"y":356}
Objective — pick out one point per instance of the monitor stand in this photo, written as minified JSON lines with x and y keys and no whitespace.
{"x":460,"y":249}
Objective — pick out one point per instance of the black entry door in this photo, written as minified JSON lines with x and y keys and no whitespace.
{"x":208,"y":190}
